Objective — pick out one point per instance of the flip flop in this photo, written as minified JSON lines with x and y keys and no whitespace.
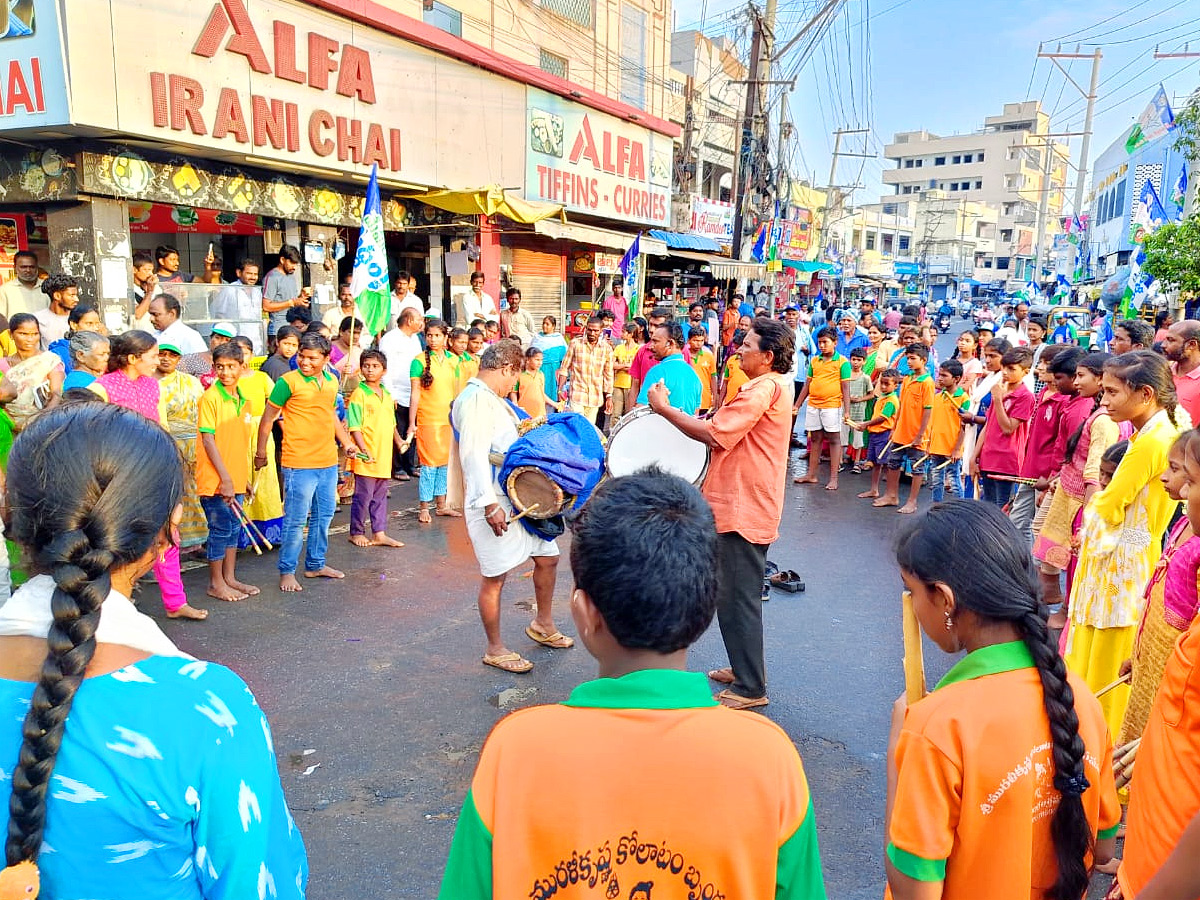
{"x":737,"y":701}
{"x":509,"y":662}
{"x":556,"y":641}
{"x":722,"y":676}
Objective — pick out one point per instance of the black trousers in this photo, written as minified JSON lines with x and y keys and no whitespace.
{"x":741,"y":566}
{"x":407,"y":461}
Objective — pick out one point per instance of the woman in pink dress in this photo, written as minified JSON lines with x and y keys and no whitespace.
{"x":130,"y":382}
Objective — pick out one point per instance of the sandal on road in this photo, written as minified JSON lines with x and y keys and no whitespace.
{"x":737,"y":701}
{"x":722,"y":676}
{"x":556,"y":641}
{"x":509,"y":662}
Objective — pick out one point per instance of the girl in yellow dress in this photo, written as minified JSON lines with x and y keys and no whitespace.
{"x":435,"y":383}
{"x":264,"y":508}
{"x":1123,"y":527}
{"x":181,"y":397}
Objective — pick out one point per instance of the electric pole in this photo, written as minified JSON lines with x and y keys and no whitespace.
{"x":745,"y":149}
{"x":837,"y":153}
{"x":1090,"y":96}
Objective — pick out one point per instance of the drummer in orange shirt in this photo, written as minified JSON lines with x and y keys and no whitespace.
{"x":749,"y":437}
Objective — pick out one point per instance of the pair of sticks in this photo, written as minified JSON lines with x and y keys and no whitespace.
{"x":256,"y":538}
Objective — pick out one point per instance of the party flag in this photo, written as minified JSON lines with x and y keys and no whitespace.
{"x":369,"y":283}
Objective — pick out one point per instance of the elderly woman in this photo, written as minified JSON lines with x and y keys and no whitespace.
{"x":172,"y":754}
{"x":81,"y":318}
{"x":89,"y":359}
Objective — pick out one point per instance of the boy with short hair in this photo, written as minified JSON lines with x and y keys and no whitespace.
{"x":999,"y":446}
{"x":645,"y":720}
{"x":860,"y":394}
{"x":372,"y":423}
{"x":910,"y":431}
{"x":946,"y":431}
{"x":879,"y":428}
{"x":223,"y":471}
{"x":309,"y":397}
{"x":828,"y":394}
{"x":704,"y":361}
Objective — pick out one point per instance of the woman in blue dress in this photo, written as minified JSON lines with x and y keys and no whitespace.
{"x":139,"y":771}
{"x":553,"y":348}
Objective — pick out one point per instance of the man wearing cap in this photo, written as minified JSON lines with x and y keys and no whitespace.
{"x":849,"y":336}
{"x":241,"y":301}
{"x":201,"y":364}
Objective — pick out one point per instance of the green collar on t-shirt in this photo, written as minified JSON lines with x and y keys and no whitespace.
{"x":645,"y":689}
{"x":990,"y":660}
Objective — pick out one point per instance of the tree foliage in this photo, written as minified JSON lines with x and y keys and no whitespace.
{"x":1173,"y":254}
{"x":1187,"y":132}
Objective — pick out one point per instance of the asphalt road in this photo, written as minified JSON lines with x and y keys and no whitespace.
{"x":379,"y":703}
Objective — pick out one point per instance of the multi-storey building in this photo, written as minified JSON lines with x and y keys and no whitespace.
{"x":1011,"y":165}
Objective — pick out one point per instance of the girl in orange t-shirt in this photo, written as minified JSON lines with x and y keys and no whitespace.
{"x":1000,"y":780}
{"x":529,"y":392}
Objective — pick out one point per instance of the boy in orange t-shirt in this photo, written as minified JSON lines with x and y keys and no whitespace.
{"x":910,"y":431}
{"x":705,"y":364}
{"x":645,"y":721}
{"x":946,"y":431}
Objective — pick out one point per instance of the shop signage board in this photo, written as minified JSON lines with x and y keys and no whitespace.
{"x":33,"y":83}
{"x":594,"y":163}
{"x":712,"y":219}
{"x":278,"y":81}
{"x":795,"y":235}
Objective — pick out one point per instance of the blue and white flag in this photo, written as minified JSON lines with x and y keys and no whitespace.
{"x":369,"y":283}
{"x":628,"y":267}
{"x":1178,"y":195}
{"x":1155,"y":121}
{"x":1148,"y":213}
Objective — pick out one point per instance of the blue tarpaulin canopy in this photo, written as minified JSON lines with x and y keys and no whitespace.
{"x":676,"y":240}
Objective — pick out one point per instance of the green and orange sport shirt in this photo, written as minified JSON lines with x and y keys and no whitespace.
{"x":658,"y":792}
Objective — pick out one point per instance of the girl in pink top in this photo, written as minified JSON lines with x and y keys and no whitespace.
{"x":130,"y":382}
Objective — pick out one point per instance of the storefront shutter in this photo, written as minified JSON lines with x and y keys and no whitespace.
{"x":538,"y":276}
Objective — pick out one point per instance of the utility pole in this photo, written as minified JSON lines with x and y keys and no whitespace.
{"x":744,"y":167}
{"x":837,"y":153}
{"x":1090,"y":96}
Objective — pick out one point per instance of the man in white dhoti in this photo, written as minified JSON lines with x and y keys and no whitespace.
{"x":486,"y":425}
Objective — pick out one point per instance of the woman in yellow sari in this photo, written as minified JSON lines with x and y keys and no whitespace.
{"x":435,"y":383}
{"x":263,"y":507}
{"x":181,"y":397}
{"x":1123,"y":528}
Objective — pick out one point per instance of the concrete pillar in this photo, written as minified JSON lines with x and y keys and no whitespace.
{"x":90,"y":242}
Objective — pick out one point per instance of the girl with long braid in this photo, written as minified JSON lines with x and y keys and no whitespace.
{"x":1123,"y":528}
{"x":149,"y":773}
{"x":1000,"y":781}
{"x":434,"y":386}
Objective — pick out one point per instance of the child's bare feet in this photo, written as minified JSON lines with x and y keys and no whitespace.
{"x":868,"y":495}
{"x":423,"y":515}
{"x":448,"y":512}
{"x":226,"y":592}
{"x":908,"y":508}
{"x":289,"y":585}
{"x":832,"y":486}
{"x":886,"y":501}
{"x":325,"y":572}
{"x":189,"y":612}
{"x":382,"y":539}
{"x":805,"y":479}
{"x":248,"y":589}
{"x":361,"y":540}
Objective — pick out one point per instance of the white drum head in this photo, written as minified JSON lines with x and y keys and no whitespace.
{"x":644,"y":438}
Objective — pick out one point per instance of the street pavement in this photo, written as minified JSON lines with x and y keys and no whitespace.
{"x":379,"y":703}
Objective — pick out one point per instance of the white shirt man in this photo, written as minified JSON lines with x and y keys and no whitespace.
{"x":401,"y":346}
{"x":477,"y":303}
{"x":24,"y":292}
{"x":241,"y":302}
{"x":185,"y":337}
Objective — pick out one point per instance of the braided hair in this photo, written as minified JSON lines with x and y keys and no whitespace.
{"x":1094,"y":363}
{"x":1145,"y":368}
{"x":940,"y":548}
{"x":427,"y":375}
{"x":79,"y":509}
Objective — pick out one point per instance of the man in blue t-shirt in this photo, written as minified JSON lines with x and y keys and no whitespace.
{"x":686,"y":391}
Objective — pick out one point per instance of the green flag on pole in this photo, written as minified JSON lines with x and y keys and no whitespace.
{"x":370,"y":283}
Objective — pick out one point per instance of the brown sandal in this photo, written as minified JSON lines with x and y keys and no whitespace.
{"x":722,"y":676}
{"x":509,"y":662}
{"x":737,"y":701}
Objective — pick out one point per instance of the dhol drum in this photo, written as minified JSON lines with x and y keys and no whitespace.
{"x":644,"y":438}
{"x":535,"y":494}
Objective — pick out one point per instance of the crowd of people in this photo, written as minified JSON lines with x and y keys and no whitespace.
{"x":1065,"y":564}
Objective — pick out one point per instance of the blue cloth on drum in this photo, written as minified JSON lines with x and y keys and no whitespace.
{"x":567,"y":449}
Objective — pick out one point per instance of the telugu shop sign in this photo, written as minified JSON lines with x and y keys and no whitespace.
{"x":284,"y":81}
{"x":591,"y":162}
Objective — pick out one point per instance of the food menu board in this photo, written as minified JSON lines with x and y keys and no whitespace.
{"x":12,"y":239}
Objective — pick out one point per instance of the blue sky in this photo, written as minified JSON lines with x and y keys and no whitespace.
{"x":944,"y":65}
